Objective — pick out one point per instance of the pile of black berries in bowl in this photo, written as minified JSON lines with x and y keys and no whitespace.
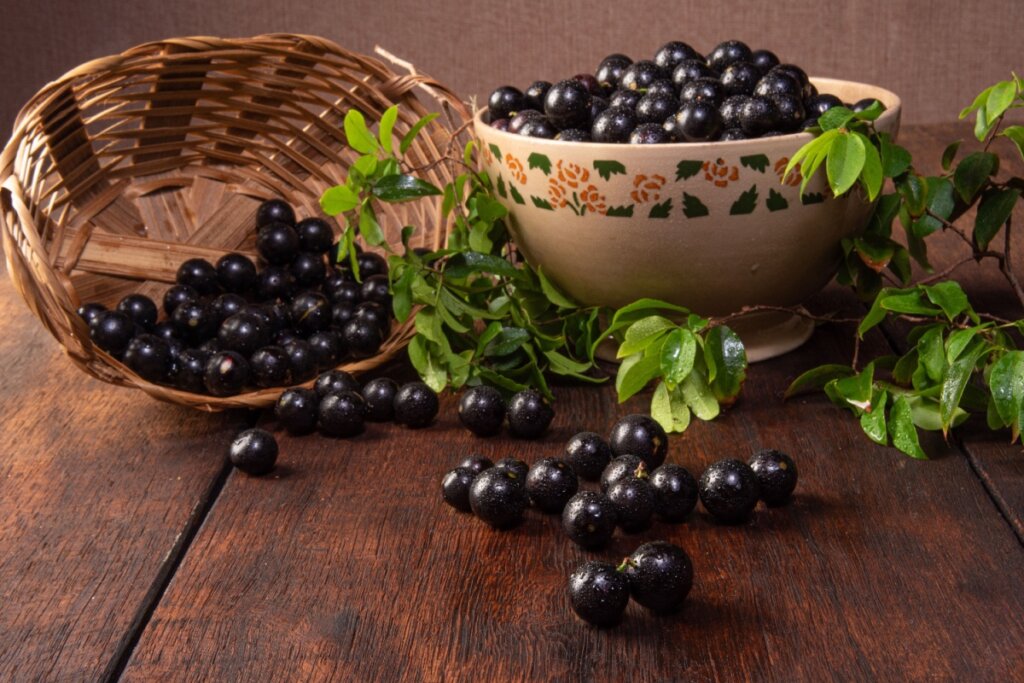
{"x":680,"y":95}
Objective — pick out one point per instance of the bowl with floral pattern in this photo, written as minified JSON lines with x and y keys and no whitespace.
{"x":714,"y":226}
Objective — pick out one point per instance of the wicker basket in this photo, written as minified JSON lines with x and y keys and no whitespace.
{"x":128,"y":165}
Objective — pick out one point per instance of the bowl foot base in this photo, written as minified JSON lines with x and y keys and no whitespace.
{"x":769,"y":334}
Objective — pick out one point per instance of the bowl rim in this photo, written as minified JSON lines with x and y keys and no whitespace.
{"x":892,"y":112}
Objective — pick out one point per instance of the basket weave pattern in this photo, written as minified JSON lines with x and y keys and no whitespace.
{"x":129,"y":165}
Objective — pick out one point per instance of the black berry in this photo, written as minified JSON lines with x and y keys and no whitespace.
{"x":379,"y":395}
{"x":149,"y":357}
{"x":310,"y":312}
{"x":740,"y":78}
{"x":335,"y":381}
{"x":698,"y":121}
{"x":315,"y":235}
{"x":649,"y":134}
{"x":613,"y":125}
{"x":598,"y":593}
{"x":702,"y":90}
{"x":660,"y":576}
{"x":455,"y":488}
{"x":327,"y":347}
{"x":588,"y":455}
{"x":497,"y":497}
{"x":112,"y":331}
{"x":529,"y":415}
{"x":764,"y":60}
{"x":656,"y":107}
{"x":227,"y":372}
{"x":633,"y":499}
{"x":728,"y":52}
{"x":244,"y":332}
{"x":362,"y":338}
{"x":236,"y":273}
{"x":274,"y":211}
{"x":567,"y":104}
{"x":477,"y":463}
{"x":254,"y":452}
{"x":296,"y":410}
{"x":589,"y":520}
{"x":639,"y":75}
{"x":690,"y":70}
{"x":91,"y":311}
{"x":518,"y":467}
{"x":533,"y":97}
{"x":416,"y":405}
{"x":642,"y":436}
{"x":301,"y":358}
{"x":275,"y":282}
{"x":609,"y":71}
{"x":729,"y":490}
{"x":277,"y":243}
{"x":224,"y":306}
{"x":621,"y":468}
{"x":308,"y":269}
{"x":776,"y":475}
{"x":376,"y":289}
{"x":673,"y":53}
{"x":271,"y":367}
{"x":188,"y":370}
{"x":504,"y":101}
{"x":342,"y":414}
{"x":675,"y":492}
{"x":482,"y":410}
{"x":759,"y":115}
{"x":199,"y":275}
{"x":550,"y":484}
{"x":140,"y":309}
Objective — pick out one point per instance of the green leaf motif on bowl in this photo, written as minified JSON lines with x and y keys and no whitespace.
{"x":775,"y":201}
{"x":501,"y":188}
{"x":606,"y":169}
{"x":757,"y":162}
{"x":661,"y":210}
{"x":620,"y":211}
{"x":541,"y":203}
{"x":516,"y":197}
{"x":812,"y":198}
{"x":693,"y":207}
{"x":746,"y":203}
{"x":541,"y":161}
{"x":687,"y":168}
{"x":496,"y":151}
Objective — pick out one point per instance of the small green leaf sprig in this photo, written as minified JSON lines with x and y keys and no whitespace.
{"x":482,"y":315}
{"x":958,"y":361}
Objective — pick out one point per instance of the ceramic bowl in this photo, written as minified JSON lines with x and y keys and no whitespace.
{"x":710,"y":226}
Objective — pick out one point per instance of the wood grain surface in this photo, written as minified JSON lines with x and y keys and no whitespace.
{"x":100,"y":490}
{"x":344,"y":564}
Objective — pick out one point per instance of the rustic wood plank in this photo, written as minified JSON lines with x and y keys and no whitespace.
{"x":100,"y":489}
{"x":345,"y":564}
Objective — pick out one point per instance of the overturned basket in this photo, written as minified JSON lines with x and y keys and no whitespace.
{"x":129,"y":165}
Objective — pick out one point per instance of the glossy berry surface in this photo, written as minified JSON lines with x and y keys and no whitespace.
{"x":730,"y":111}
{"x":224,"y":306}
{"x":729,"y":490}
{"x":613,"y":125}
{"x":702,"y":90}
{"x":656,"y":107}
{"x":112,"y":331}
{"x":195,"y":322}
{"x":660,"y":576}
{"x":529,"y":415}
{"x":728,"y":52}
{"x":504,"y":101}
{"x":533,"y":97}
{"x":776,"y":475}
{"x":188,"y":370}
{"x":362,"y":338}
{"x":342,"y":414}
{"x":236,"y":273}
{"x":764,"y":60}
{"x":589,"y":82}
{"x":778,"y":83}
{"x":315,"y":235}
{"x":633,"y":499}
{"x":519,"y":121}
{"x":296,"y":410}
{"x":482,"y":410}
{"x":374,"y":314}
{"x":819,"y":104}
{"x":275,"y":282}
{"x":698,"y":121}
{"x":244,"y":333}
{"x":416,"y":405}
{"x":371,"y":264}
{"x":649,"y":134}
{"x":598,"y":593}
{"x":539,"y":128}
{"x":335,"y":381}
{"x":227,"y":372}
{"x":625,"y":98}
{"x":308,"y":269}
{"x":588,"y":454}
{"x":149,"y":357}
{"x":477,"y":463}
{"x":310,"y":312}
{"x":690,"y":70}
{"x":573,"y":135}
{"x":455,"y":488}
{"x":198,"y":274}
{"x":740,"y":78}
{"x":327,"y":347}
{"x":672,"y":53}
{"x":550,"y":483}
{"x":376,"y":289}
{"x":861,"y":105}
{"x":274,"y":211}
{"x":589,"y":520}
{"x":379,"y":394}
{"x":639,"y":75}
{"x":567,"y":104}
{"x":791,"y":113}
{"x":300,"y":356}
{"x":91,"y":311}
{"x":498,"y":497}
{"x":759,"y":115}
{"x":675,"y":492}
{"x":277,"y":243}
{"x":271,"y":367}
{"x":140,"y":309}
{"x":253,"y":451}
{"x":642,"y":436}
{"x":609,"y":71}
{"x":621,"y":468}
{"x":345,"y":292}
{"x":515,"y":465}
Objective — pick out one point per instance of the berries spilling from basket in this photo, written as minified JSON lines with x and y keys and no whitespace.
{"x":732,"y":93}
{"x":234,"y":325}
{"x":636,"y":486}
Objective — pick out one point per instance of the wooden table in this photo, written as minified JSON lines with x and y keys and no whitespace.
{"x":129,"y":550}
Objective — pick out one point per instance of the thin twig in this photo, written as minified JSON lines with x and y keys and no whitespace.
{"x":950,"y":226}
{"x":1006,"y":266}
{"x":794,"y":310}
{"x":942,"y":274}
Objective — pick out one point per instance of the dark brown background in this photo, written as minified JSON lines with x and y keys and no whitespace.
{"x":935,"y":53}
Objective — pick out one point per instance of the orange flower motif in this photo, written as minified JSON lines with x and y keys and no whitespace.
{"x":593,"y":200}
{"x":794,"y":178}
{"x":719,"y":173}
{"x":515,"y":167}
{"x":573,"y":175}
{"x":486,"y":154}
{"x":557,"y":194}
{"x":647,"y":188}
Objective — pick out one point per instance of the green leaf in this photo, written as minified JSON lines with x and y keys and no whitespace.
{"x":428,"y":324}
{"x":875,"y":253}
{"x":387,"y":125}
{"x":902,"y":429}
{"x":914,"y":190}
{"x":643,"y":333}
{"x":949,"y":154}
{"x":855,"y":391}
{"x":973,"y":172}
{"x":909,"y":303}
{"x":940,"y":201}
{"x":957,"y":376}
{"x":687,"y":168}
{"x":1016,"y":135}
{"x":999,"y":100}
{"x":846,"y":158}
{"x":979,"y":102}
{"x":1006,"y":382}
{"x":661,"y":210}
{"x":402,"y":188}
{"x":693,"y":207}
{"x":873,"y":422}
{"x":427,"y":364}
{"x":661,"y":407}
{"x":757,"y":162}
{"x":401,"y":295}
{"x":816,"y":378}
{"x":775,"y":201}
{"x":699,"y":397}
{"x":561,"y":364}
{"x":408,"y":138}
{"x":949,"y":296}
{"x":620,"y":211}
{"x":835,"y":118}
{"x":871,"y":112}
{"x":895,"y":159}
{"x":871,"y":173}
{"x":369,"y":228}
{"x":541,"y":161}
{"x":463,"y":264}
{"x":606,"y":169}
{"x":931,"y":351}
{"x":746,"y":203}
{"x":724,"y":351}
{"x":508,"y":340}
{"x":339,"y":199}
{"x":364,"y":166}
{"x":357,"y":134}
{"x":541,"y":203}
{"x":994,"y":210}
{"x":958,"y":341}
{"x":554,"y":294}
{"x":677,"y":355}
{"x":635,"y":372}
